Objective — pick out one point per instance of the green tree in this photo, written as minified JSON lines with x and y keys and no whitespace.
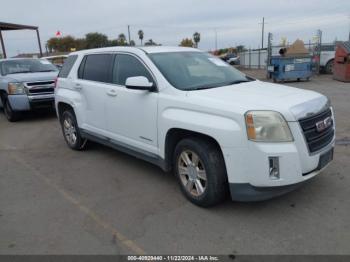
{"x":62,"y":44}
{"x":132,"y":43}
{"x":52,"y":44}
{"x":141,"y":35}
{"x":150,"y":42}
{"x":122,"y":39}
{"x":80,"y":43}
{"x":188,"y":42}
{"x":113,"y":42}
{"x":196,"y":38}
{"x":240,"y":48}
{"x":96,"y":40}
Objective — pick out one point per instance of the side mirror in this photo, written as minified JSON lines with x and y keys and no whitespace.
{"x":139,"y":83}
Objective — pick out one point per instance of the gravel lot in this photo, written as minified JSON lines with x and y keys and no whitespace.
{"x":99,"y":201}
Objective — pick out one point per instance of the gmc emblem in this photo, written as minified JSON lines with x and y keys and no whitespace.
{"x":324,"y":124}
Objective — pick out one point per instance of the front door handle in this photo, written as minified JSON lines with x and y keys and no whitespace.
{"x":112,"y":92}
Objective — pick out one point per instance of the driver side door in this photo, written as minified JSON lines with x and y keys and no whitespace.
{"x":132,"y":114}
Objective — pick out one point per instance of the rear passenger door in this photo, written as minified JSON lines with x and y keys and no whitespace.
{"x":94,"y":80}
{"x":132,"y":114}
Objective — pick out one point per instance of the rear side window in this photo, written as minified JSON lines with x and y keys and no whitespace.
{"x":128,"y":66}
{"x":97,"y":67}
{"x":67,"y":66}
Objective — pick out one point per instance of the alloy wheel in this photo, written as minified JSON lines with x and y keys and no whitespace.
{"x":70,"y":131}
{"x":192,"y":173}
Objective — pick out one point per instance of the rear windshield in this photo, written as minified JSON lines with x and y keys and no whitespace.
{"x":21,"y":66}
{"x":67,"y":66}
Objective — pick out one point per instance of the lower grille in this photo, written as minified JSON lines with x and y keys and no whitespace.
{"x":318,"y":138}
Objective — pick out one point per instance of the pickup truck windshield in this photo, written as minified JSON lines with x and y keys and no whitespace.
{"x":26,"y":66}
{"x":196,"y":70}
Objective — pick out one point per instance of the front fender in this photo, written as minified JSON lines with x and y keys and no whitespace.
{"x":226,"y":131}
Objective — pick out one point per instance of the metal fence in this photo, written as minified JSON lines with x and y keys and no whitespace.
{"x":257,"y":59}
{"x":253,"y":58}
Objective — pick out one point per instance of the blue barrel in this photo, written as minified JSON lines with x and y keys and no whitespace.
{"x":290,"y":68}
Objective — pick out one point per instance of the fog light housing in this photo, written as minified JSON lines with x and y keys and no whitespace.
{"x":274,"y":168}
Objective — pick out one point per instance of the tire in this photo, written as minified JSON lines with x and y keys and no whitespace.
{"x":71,"y":131}
{"x":329,"y":67}
{"x":202,"y":173}
{"x":11,"y":116}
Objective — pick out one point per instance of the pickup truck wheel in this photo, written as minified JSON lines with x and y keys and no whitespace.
{"x":201,"y":172}
{"x":11,"y":115}
{"x":71,"y":131}
{"x":329,"y":67}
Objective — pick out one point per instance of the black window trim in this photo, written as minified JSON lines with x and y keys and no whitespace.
{"x":115,"y":53}
{"x":155,"y":83}
{"x":83,"y":62}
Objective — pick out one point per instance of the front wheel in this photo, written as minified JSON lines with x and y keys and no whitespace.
{"x":11,"y":115}
{"x":201,"y":172}
{"x":71,"y":131}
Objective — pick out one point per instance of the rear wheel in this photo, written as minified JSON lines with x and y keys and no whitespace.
{"x":200,"y":170}
{"x":329,"y":67}
{"x":71,"y":131}
{"x":11,"y":115}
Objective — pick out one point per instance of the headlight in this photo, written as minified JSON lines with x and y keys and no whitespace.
{"x":267,"y":126}
{"x":16,"y":88}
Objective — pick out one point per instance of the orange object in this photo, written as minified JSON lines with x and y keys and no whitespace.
{"x":341,"y":68}
{"x":250,"y":126}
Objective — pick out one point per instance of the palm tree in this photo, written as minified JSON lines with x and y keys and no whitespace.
{"x":122,"y":39}
{"x":140,"y":33}
{"x":197,"y":38}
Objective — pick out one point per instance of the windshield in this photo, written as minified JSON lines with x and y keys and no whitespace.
{"x":196,"y":70}
{"x":26,"y":66}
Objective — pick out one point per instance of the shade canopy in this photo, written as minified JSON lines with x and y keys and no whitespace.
{"x":9,"y":26}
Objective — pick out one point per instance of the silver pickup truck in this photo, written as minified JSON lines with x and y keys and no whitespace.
{"x":26,"y":84}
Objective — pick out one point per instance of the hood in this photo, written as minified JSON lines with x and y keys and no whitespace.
{"x":292,"y":102}
{"x":32,"y":77}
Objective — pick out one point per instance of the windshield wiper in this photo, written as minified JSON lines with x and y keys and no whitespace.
{"x":202,"y":88}
{"x":238,"y":82}
{"x":19,"y":72}
{"x":51,"y":70}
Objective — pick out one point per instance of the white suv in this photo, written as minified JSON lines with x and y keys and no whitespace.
{"x":184,"y":110}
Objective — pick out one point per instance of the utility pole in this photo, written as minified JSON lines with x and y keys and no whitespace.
{"x":216,"y":39}
{"x":262,"y":33}
{"x":349,"y":27}
{"x":129,"y":33}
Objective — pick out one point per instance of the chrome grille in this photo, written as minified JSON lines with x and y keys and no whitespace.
{"x":316,"y":139}
{"x":40,"y":87}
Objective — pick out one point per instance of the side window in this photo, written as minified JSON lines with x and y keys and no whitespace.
{"x":67,"y":66}
{"x":97,"y":67}
{"x":128,"y":66}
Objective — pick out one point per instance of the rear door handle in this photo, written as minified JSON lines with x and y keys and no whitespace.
{"x":112,"y":92}
{"x":78,"y":86}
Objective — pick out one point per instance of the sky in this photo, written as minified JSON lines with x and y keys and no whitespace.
{"x":231,"y":22}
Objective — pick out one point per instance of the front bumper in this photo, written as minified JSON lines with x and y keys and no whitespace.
{"x":248,"y":167}
{"x":249,"y":193}
{"x":27,"y":103}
